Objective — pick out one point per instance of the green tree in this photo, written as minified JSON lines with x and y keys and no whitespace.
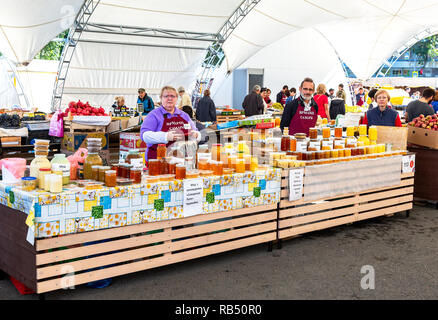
{"x":53,"y":50}
{"x":426,"y":50}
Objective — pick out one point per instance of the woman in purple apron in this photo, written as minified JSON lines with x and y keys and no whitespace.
{"x":167,"y":124}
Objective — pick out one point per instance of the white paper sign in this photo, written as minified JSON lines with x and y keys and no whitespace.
{"x":408,"y":163}
{"x":296,"y":181}
{"x":193,"y":197}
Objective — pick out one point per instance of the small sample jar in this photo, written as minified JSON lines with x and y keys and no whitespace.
{"x":29,"y":183}
{"x":95,"y":173}
{"x":326,"y":133}
{"x":55,"y":183}
{"x":111,"y":178}
{"x":338,"y":132}
{"x":218,"y":168}
{"x":180,"y":172}
{"x":154,"y":168}
{"x":313,"y":133}
{"x":102,"y":170}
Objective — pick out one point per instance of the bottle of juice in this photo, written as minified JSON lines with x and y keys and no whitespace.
{"x":60,"y":163}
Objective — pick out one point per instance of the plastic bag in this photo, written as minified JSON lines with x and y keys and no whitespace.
{"x":56,"y":125}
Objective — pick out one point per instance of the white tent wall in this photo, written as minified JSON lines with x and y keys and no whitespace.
{"x":26,"y":26}
{"x":37,"y":80}
{"x":401,"y":82}
{"x":8,"y":93}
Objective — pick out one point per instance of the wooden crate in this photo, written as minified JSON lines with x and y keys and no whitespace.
{"x":135,"y":248}
{"x":70,"y":126}
{"x":299,"y":217}
{"x":223,"y":119}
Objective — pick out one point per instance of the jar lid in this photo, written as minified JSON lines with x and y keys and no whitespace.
{"x":160,"y":145}
{"x":137,"y":151}
{"x":136,"y":169}
{"x":28,"y":178}
{"x":45,"y":169}
{"x":105,"y":168}
{"x":110,"y":172}
{"x":127,"y":165}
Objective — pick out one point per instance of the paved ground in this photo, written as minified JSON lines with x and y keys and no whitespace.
{"x":321,"y":265}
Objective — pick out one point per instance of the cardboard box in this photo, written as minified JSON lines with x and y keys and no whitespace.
{"x":423,"y":137}
{"x":132,"y":122}
{"x":130,"y":141}
{"x":114,"y":126}
{"x":397,"y":136}
{"x":10,"y":141}
{"x":73,"y":141}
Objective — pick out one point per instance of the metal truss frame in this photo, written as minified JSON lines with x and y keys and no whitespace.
{"x":215,"y":54}
{"x":72,"y":40}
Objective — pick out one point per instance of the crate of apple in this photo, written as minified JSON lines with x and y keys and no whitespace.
{"x":429,"y":122}
{"x":82,"y":109}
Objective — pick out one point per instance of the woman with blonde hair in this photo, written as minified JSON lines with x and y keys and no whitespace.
{"x":382,"y":115}
{"x":322,"y":101}
{"x":119,"y":105}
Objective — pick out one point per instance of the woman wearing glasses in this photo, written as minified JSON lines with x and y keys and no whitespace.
{"x":167,"y":124}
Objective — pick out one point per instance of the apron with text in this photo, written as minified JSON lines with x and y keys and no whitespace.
{"x":169,"y":124}
{"x":303,"y":121}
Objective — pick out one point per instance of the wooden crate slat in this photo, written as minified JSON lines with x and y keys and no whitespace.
{"x":78,"y":238}
{"x":114,"y":258}
{"x":167,"y":235}
{"x":385,"y":203}
{"x":385,"y":211}
{"x":317,"y":217}
{"x":56,"y":284}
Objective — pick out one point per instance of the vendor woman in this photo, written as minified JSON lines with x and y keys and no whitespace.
{"x":382,"y":115}
{"x":167,"y":124}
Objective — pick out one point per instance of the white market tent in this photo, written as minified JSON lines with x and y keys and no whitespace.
{"x":132,"y":43}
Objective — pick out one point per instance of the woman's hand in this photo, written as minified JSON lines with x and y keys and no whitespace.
{"x":175,"y":136}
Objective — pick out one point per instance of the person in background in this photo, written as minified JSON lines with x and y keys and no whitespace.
{"x":253,"y":102}
{"x":382,"y":115}
{"x":206,"y":109}
{"x":301,"y":114}
{"x":263,"y":93}
{"x":420,"y":106}
{"x":292,"y":95}
{"x":337,"y":106}
{"x":435,"y":102}
{"x":331,"y":93}
{"x":145,"y":101}
{"x":199,"y":125}
{"x":119,"y":105}
{"x":281,"y":96}
{"x":185,"y":98}
{"x":416,"y":95}
{"x":322,"y":101}
{"x":268,"y":97}
{"x":371,"y":95}
{"x":360,"y":97}
{"x":167,"y":124}
{"x":341,"y":89}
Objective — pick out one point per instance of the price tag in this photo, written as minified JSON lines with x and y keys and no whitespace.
{"x":193,"y":197}
{"x":408,"y":163}
{"x":315,"y":145}
{"x":301,"y":146}
{"x":296,"y":181}
{"x":327,"y":144}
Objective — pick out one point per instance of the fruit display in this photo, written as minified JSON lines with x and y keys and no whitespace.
{"x":355,"y":109}
{"x":428,"y":122}
{"x":82,"y":109}
{"x":277,"y":106}
{"x":9,"y":121}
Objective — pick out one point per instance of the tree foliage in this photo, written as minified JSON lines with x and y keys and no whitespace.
{"x":426,"y":50}
{"x":53,"y":50}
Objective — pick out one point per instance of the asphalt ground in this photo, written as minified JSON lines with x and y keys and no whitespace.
{"x":401,"y":252}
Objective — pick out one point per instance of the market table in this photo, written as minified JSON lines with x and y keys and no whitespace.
{"x":87,"y":235}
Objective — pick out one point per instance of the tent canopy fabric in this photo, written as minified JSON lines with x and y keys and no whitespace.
{"x":362,"y":33}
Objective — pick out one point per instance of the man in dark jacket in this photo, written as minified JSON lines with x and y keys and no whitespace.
{"x":205,"y":109}
{"x":145,"y":101}
{"x":253,"y":103}
{"x":337,"y":106}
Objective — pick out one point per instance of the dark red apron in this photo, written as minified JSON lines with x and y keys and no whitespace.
{"x":176,"y":123}
{"x":303,"y":121}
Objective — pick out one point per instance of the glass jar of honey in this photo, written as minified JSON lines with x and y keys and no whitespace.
{"x":285,"y":143}
{"x":313,"y":133}
{"x":110,"y":178}
{"x":326,"y":144}
{"x":339,"y":143}
{"x":102,"y":170}
{"x":161,"y":151}
{"x":180,"y":172}
{"x":216,"y":151}
{"x":314,"y":145}
{"x":95,"y":172}
{"x":154,"y":167}
{"x":218,"y":168}
{"x":293,"y":144}
{"x":247,"y":158}
{"x":254,"y":164}
{"x":350,"y":131}
{"x":240,"y":165}
{"x":338,"y":132}
{"x":203,"y":164}
{"x":135,"y":175}
{"x":362,"y":130}
{"x":347,"y":152}
{"x":372,"y":133}
{"x":350,"y":142}
{"x":326,"y":133}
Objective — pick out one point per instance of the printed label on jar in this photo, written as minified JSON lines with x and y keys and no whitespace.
{"x":65,"y":168}
{"x":301,"y":146}
{"x":315,"y":145}
{"x":327,"y":144}
{"x":137,"y":163}
{"x":352,"y":142}
{"x":340,"y":143}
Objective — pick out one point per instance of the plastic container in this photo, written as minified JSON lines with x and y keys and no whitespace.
{"x":38,"y":163}
{"x":92,"y":159}
{"x":29,"y":183}
{"x":60,"y":163}
{"x":55,"y":183}
{"x":41,"y":177}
